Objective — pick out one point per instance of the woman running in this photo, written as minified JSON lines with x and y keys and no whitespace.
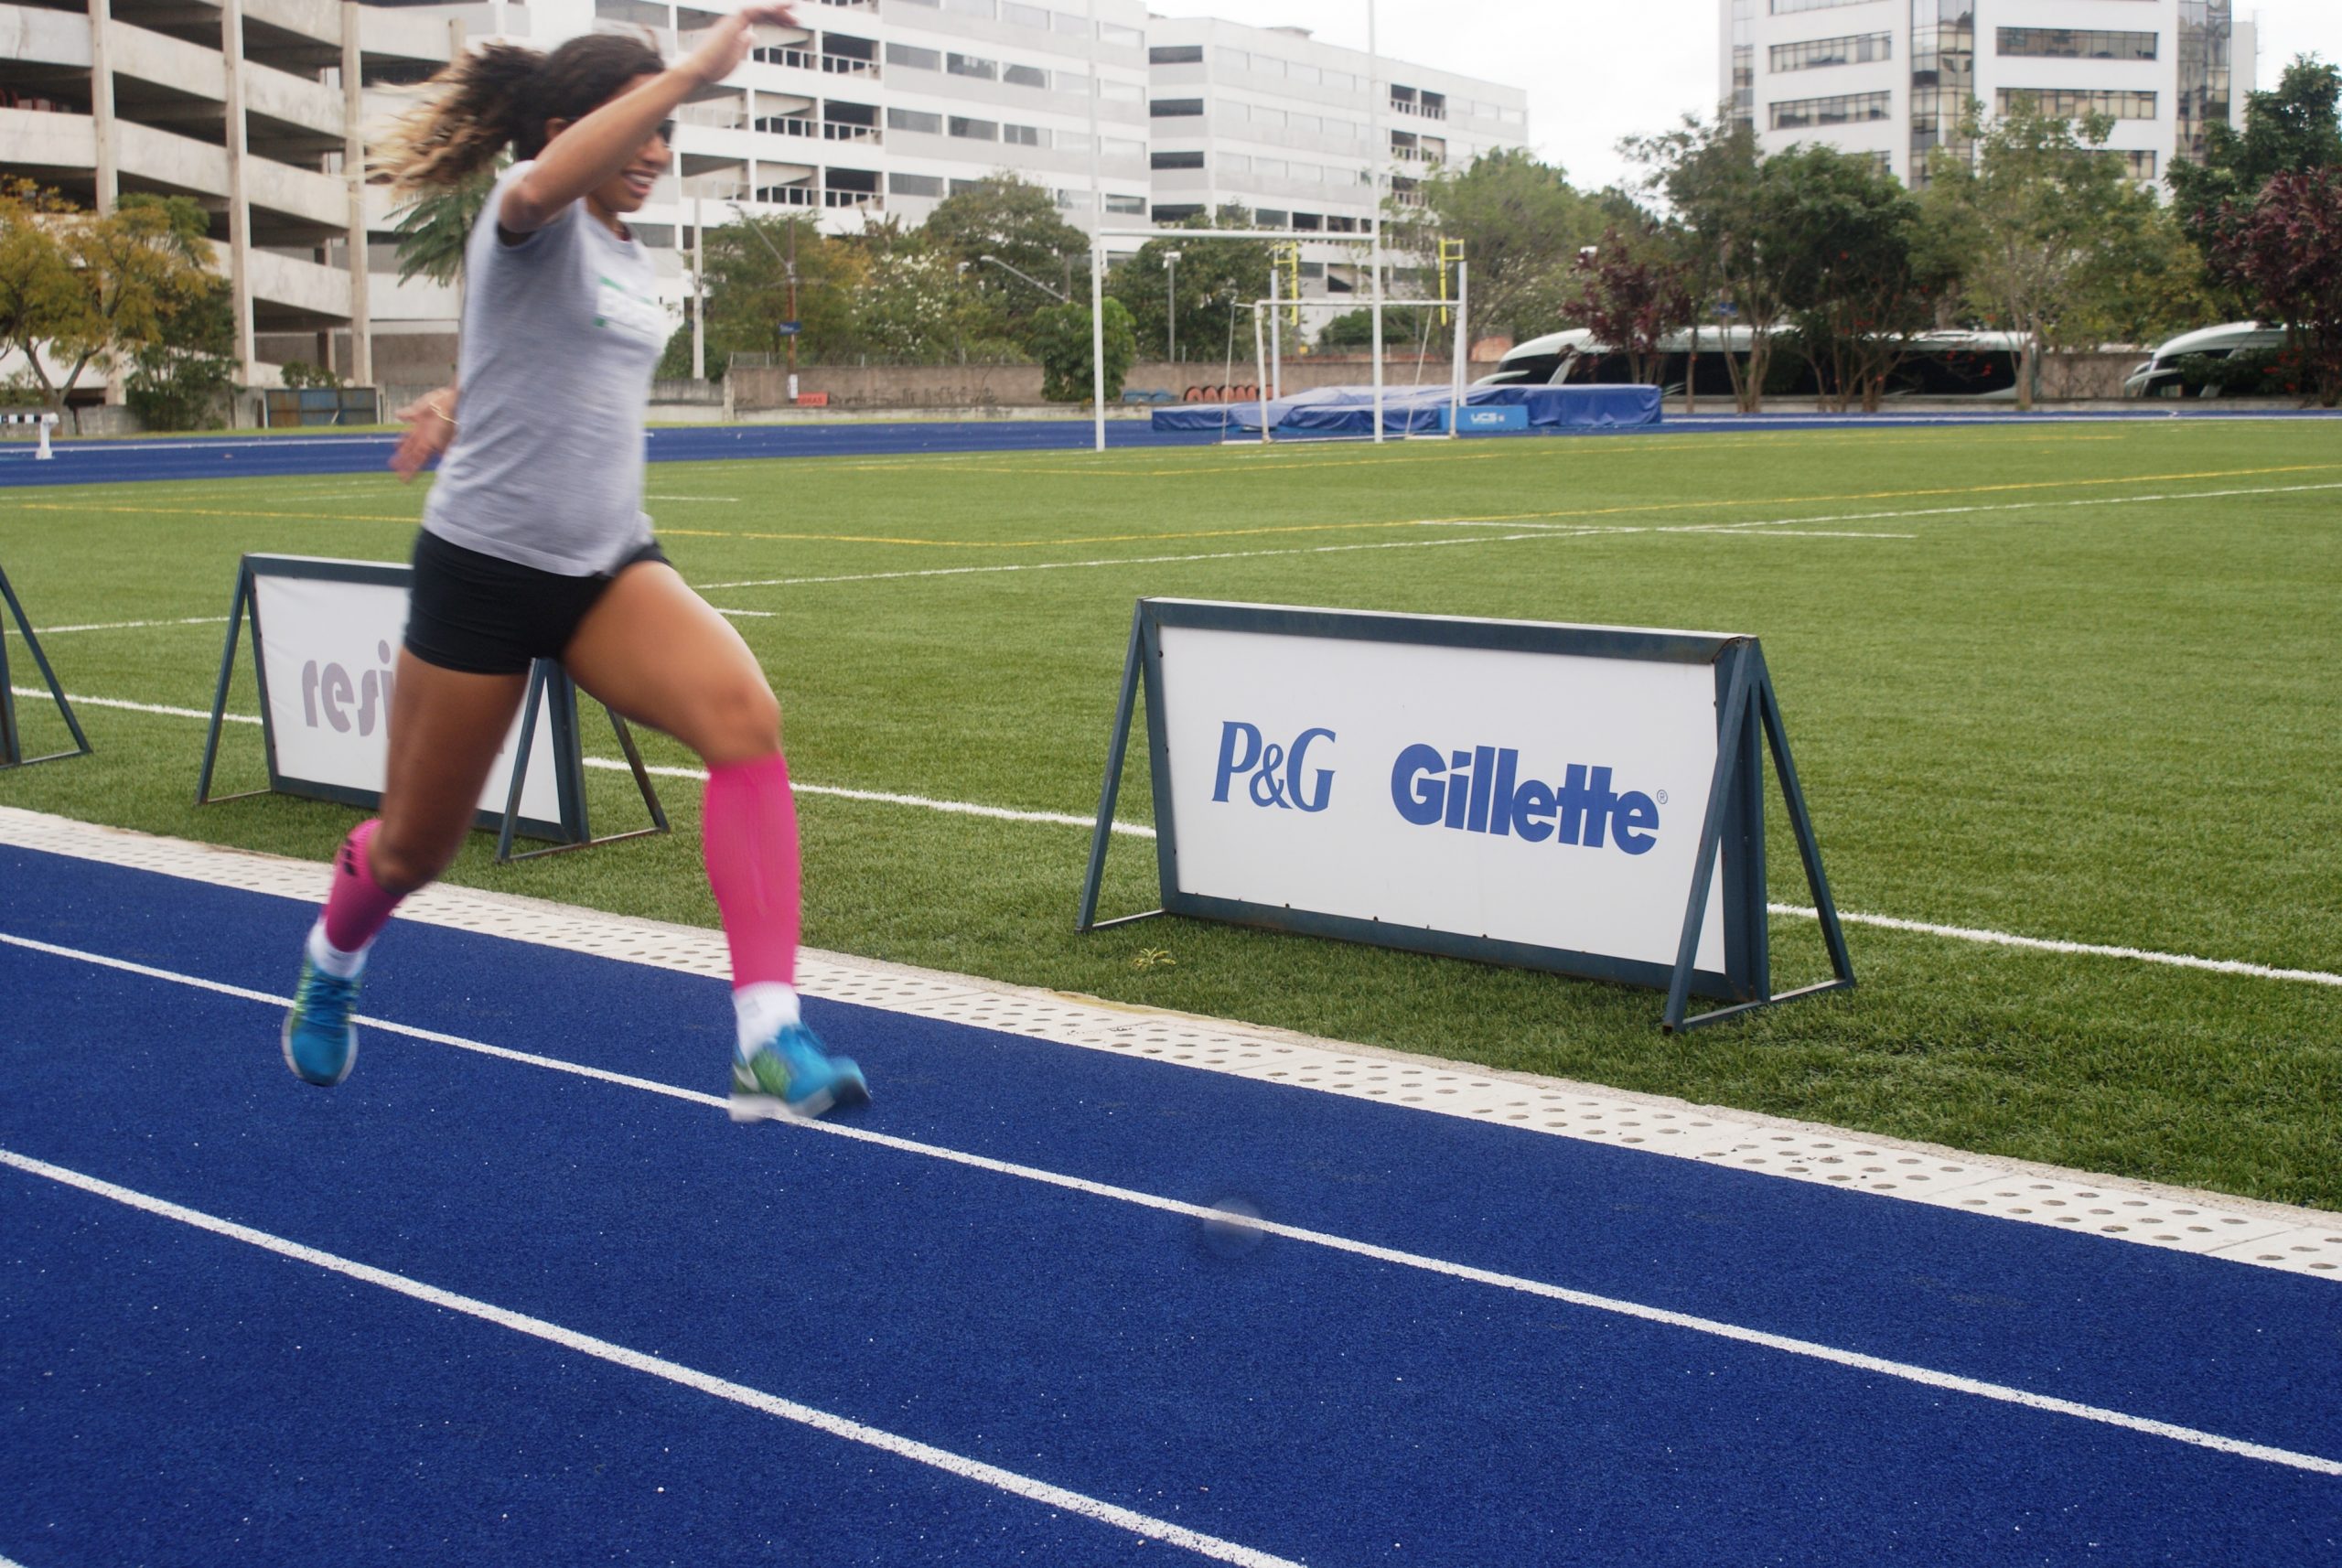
{"x":535,"y":543}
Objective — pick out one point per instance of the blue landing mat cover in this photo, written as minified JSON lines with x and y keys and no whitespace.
{"x":1420,"y":411}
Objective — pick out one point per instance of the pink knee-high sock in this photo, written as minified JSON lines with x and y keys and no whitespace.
{"x":749,"y":837}
{"x":359,"y":906}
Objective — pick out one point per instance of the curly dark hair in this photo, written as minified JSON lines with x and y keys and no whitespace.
{"x":503,"y":95}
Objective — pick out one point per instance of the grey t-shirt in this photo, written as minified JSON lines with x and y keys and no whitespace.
{"x":560,"y":335}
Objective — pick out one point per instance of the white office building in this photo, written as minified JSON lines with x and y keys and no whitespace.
{"x":1892,"y":78}
{"x":1272,"y":121}
{"x":873,"y":109}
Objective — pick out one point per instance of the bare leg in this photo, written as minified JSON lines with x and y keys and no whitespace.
{"x":447,"y":729}
{"x":651,"y":649}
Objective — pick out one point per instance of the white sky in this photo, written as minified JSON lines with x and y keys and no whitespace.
{"x":1596,"y":69}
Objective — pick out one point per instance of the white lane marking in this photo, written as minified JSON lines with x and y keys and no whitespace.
{"x":821,"y":1421}
{"x":120,"y":624}
{"x":1529,"y":530}
{"x":162,"y":709}
{"x":1136,"y":830}
{"x":1927,"y":1376}
{"x":884,"y":798}
{"x":2046,"y":944}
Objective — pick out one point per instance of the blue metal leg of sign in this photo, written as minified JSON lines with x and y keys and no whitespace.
{"x":12,"y":743}
{"x":1117,"y":749}
{"x":549,"y":683}
{"x":1753,"y":703}
{"x":238,"y":607}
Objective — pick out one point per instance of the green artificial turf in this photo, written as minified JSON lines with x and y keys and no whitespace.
{"x":2023,"y":699}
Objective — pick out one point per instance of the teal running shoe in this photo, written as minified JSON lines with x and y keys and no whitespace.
{"x":320,"y":1041}
{"x":790,"y":1076}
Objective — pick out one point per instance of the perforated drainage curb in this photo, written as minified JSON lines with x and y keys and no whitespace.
{"x":2268,"y":1235}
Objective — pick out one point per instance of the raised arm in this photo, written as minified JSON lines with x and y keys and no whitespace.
{"x":582,"y":156}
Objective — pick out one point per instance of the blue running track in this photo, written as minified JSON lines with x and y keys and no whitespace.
{"x":249,"y":456}
{"x":1494,"y":1347}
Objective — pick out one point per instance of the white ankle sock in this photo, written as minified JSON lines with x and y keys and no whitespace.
{"x":763,"y":1010}
{"x":332,"y":960}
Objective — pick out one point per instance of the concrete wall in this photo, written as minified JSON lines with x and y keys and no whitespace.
{"x":1019,"y":386}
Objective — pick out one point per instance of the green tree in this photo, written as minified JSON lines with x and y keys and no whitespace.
{"x":1857,"y":286}
{"x":2296,"y":126}
{"x":748,"y":262}
{"x":1355,"y":328}
{"x":1734,"y":211}
{"x":1062,"y":333}
{"x":1522,"y":224}
{"x":181,"y":381}
{"x":1217,"y":280}
{"x":2046,"y":222}
{"x":79,"y":289}
{"x":1012,"y":222}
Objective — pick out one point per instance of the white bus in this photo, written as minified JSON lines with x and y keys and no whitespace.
{"x":2163,"y":376}
{"x":1980,"y":365}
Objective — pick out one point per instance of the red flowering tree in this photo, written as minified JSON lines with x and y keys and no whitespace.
{"x":2283,"y":252}
{"x":1632,"y":294}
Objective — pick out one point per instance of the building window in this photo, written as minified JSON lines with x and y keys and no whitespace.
{"x":1025,"y":16}
{"x":2070,"y":103}
{"x":1789,"y":7}
{"x":1176,"y":160}
{"x":970,"y":65}
{"x":1117,"y":91}
{"x":915,"y":184}
{"x":914,"y":58}
{"x":1851,"y":109}
{"x":2140,"y":166}
{"x":1024,"y":76}
{"x":974,"y":7}
{"x":1174,"y":107}
{"x":1120,"y":148}
{"x":1067,"y":22}
{"x":1175,"y":54}
{"x":1270,"y":217}
{"x":919,"y":120}
{"x":1126,"y":205}
{"x":1857,"y":48}
{"x":973,"y":129}
{"x":2076,"y":43}
{"x":1123,"y":37}
{"x":1178,"y":213}
{"x":1024,"y":135}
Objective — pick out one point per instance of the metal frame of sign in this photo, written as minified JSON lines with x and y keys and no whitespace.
{"x":12,"y":740}
{"x":548,"y":683}
{"x":1748,"y":722}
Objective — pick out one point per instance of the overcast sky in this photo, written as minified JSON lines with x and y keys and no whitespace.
{"x":1596,"y":69}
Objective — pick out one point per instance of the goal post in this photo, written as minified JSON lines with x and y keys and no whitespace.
{"x":1372,"y":242}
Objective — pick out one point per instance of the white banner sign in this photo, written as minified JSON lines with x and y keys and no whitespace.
{"x":1549,"y":800}
{"x":329,"y":650}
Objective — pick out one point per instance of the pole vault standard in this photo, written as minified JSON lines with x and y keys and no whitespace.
{"x":1196,"y":236}
{"x":1270,"y":372}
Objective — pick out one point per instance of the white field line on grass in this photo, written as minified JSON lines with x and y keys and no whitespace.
{"x":120,"y":624}
{"x":1520,"y":532}
{"x":1927,"y":1376}
{"x":1139,"y":830}
{"x":821,"y":1421}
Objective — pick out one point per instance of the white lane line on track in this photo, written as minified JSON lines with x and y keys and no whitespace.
{"x":1139,"y":830}
{"x":821,"y":1421}
{"x":1927,"y":1376}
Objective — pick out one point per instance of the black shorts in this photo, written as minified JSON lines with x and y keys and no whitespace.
{"x":486,"y":615}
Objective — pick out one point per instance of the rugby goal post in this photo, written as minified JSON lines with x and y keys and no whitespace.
{"x":1372,"y":241}
{"x":1269,"y":365}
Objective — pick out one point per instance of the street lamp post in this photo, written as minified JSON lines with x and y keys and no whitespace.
{"x":1028,"y":277}
{"x":1171,"y":294}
